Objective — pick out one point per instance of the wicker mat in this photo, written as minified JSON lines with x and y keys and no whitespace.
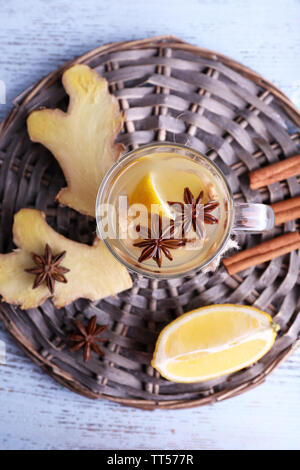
{"x":169,"y":90}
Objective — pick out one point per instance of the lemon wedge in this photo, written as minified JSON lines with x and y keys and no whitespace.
{"x":147,"y":193}
{"x":213,"y":341}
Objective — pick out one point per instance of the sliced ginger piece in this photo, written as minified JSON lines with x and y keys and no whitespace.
{"x":93,"y":272}
{"x":82,"y":139}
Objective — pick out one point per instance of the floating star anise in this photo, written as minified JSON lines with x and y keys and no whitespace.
{"x":193,"y":214}
{"x":48,"y":269}
{"x":87,"y":338}
{"x":158,"y":241}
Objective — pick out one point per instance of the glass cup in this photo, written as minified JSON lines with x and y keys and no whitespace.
{"x":236,"y":217}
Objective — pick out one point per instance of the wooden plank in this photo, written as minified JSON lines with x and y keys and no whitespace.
{"x":37,"y":37}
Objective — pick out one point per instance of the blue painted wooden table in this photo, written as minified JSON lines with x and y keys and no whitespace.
{"x":35,"y":38}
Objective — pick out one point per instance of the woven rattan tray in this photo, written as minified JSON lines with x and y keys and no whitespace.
{"x":169,"y":90}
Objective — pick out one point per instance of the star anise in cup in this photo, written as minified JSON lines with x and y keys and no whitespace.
{"x":193,"y":214}
{"x":158,"y":241}
{"x":87,"y":338}
{"x":48,"y":269}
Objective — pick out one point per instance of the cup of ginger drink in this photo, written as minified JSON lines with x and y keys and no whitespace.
{"x":165,"y":210}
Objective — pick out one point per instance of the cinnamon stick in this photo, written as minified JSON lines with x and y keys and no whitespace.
{"x":263,"y":252}
{"x":286,"y":210}
{"x":275,"y":172}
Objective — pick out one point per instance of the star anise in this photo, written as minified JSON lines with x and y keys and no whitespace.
{"x":193,"y":214}
{"x":158,"y":241}
{"x":48,"y":269}
{"x":87,"y":338}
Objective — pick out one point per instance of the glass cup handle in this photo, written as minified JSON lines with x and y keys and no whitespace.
{"x":252,"y":217}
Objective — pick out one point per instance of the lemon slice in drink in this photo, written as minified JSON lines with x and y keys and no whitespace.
{"x":159,"y":189}
{"x":213,"y":341}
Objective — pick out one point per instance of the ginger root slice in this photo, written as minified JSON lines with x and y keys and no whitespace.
{"x":94,"y":272}
{"x":82,"y":139}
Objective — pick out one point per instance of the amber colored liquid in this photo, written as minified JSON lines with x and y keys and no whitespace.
{"x":169,"y":174}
